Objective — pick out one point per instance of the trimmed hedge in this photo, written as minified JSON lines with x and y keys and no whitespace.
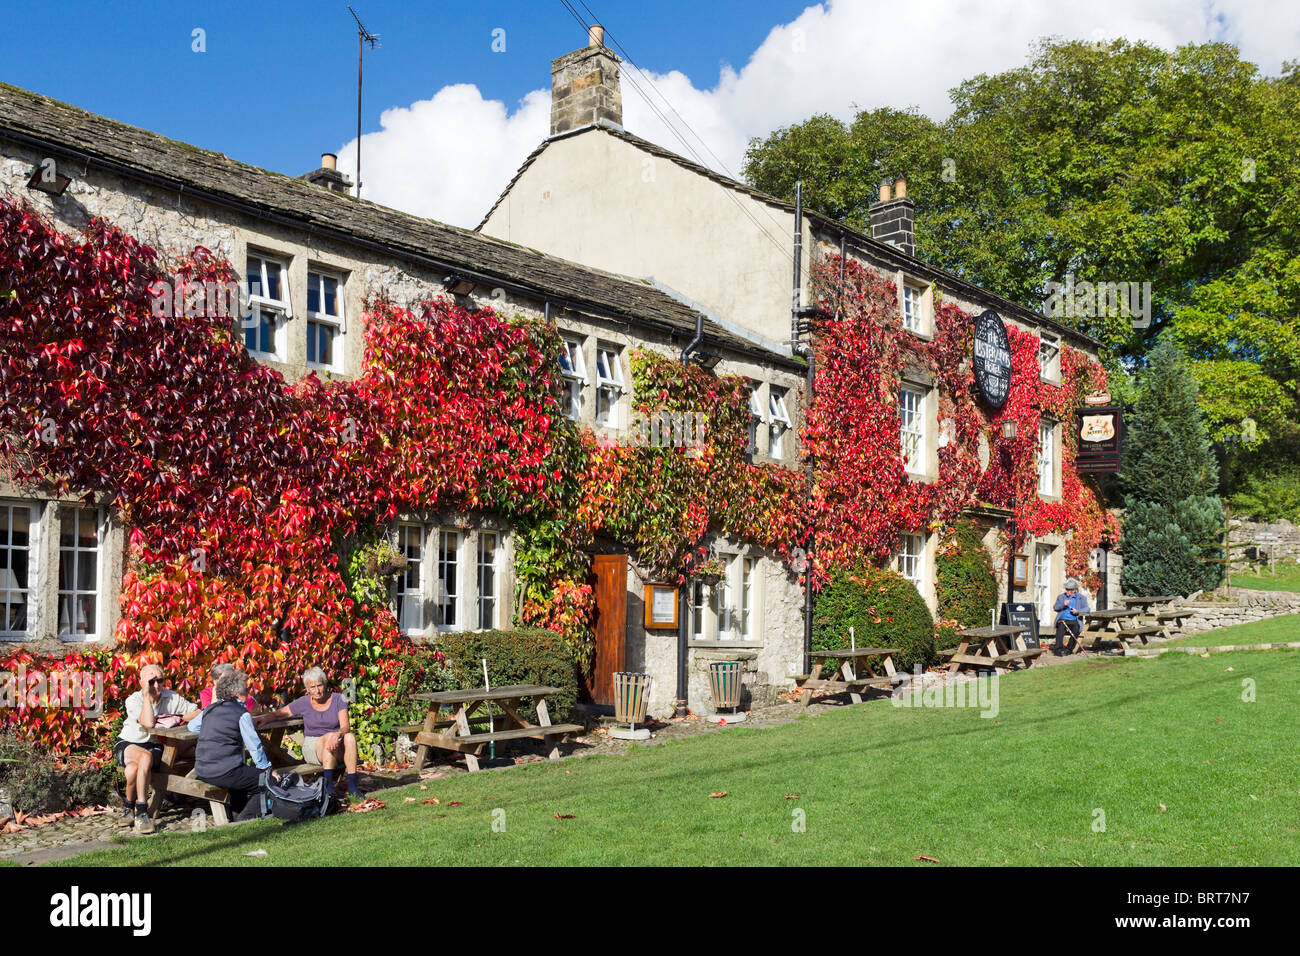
{"x":884,"y":610}
{"x":423,"y":672}
{"x":523,"y":656}
{"x":965,"y":586}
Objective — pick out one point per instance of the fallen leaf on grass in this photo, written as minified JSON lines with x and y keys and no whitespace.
{"x":792,"y":796}
{"x":434,"y":800}
{"x":1163,"y":808}
{"x":423,"y":787}
{"x":564,"y":816}
{"x":409,"y":799}
{"x":929,"y":859}
{"x":1230,"y":668}
{"x":724,"y":793}
{"x":455,"y":803}
{"x":365,"y":806}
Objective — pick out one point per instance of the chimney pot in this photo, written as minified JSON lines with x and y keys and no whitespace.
{"x":900,"y":188}
{"x":328,"y":161}
{"x":596,"y":35}
{"x":884,"y":192}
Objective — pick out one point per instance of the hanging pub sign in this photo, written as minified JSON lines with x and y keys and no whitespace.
{"x":1101,"y":438}
{"x":992,"y":358}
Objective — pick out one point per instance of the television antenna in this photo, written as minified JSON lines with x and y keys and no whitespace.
{"x":364,"y":36}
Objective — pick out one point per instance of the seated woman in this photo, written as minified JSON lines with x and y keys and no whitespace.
{"x":327,"y":738}
{"x":225,"y":732}
{"x":206,"y":695}
{"x":135,"y":751}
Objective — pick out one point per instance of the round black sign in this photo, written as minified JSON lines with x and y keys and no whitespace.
{"x":992,"y":358}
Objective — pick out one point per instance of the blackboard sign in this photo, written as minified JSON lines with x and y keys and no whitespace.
{"x":1023,"y":615}
{"x":991,"y":358}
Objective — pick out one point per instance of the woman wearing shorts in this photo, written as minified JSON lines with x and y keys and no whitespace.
{"x":327,"y":738}
{"x":135,"y":750}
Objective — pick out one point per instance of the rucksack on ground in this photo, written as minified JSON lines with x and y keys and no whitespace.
{"x":293,"y":799}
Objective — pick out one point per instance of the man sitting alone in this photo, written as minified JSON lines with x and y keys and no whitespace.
{"x":1068,"y":607}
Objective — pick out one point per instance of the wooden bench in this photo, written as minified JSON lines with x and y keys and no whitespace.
{"x":515,"y":733}
{"x":1010,"y":657}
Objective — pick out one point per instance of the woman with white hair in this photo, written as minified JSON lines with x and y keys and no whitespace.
{"x":1069,"y":605}
{"x":327,"y":738}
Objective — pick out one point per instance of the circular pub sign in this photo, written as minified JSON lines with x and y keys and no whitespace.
{"x":992,"y":358}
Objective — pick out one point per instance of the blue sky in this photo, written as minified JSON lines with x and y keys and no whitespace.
{"x":277,"y":85}
{"x":447,"y":120}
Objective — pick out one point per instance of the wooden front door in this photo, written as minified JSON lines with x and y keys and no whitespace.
{"x":610,"y":579}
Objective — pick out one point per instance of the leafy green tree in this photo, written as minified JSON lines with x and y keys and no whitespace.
{"x":1172,"y":516}
{"x":1119,"y":162}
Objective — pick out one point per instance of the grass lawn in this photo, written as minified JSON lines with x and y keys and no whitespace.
{"x":1270,"y":631}
{"x":876,"y":784}
{"x":1286,"y":579}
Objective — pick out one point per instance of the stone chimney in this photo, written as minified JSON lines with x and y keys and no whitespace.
{"x":893,"y":220}
{"x":584,"y":87}
{"x":328,"y":175}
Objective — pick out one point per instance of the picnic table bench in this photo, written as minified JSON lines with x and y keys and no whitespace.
{"x":992,"y":648}
{"x":1159,"y":611}
{"x":1100,"y":627}
{"x":845,"y":678}
{"x":175,"y":772}
{"x":512,"y":726}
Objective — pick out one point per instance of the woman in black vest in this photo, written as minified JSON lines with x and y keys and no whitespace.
{"x":225,"y":732}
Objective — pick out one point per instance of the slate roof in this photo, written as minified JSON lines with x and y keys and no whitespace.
{"x":65,"y":130}
{"x":880,"y":250}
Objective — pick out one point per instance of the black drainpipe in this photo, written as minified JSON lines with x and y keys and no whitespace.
{"x":683,"y":605}
{"x":796,"y":301}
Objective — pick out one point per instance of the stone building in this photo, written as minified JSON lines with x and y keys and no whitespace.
{"x":309,"y":255}
{"x":647,"y":211}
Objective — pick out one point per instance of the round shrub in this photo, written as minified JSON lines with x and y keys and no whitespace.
{"x":964,"y":583}
{"x":884,"y":610}
{"x":523,"y":656}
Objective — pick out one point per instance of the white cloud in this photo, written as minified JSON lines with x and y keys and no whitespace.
{"x":448,"y":157}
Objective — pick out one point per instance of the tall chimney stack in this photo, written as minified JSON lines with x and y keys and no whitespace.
{"x":584,"y":86}
{"x":894,"y":220}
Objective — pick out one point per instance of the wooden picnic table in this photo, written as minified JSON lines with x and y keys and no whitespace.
{"x":454,"y":733}
{"x":1117,"y":625}
{"x":845,"y":678}
{"x":1002,"y":645}
{"x":1144,"y":602}
{"x":175,"y":771}
{"x":1160,"y":612}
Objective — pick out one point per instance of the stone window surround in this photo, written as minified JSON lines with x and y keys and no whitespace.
{"x":470,"y":532}
{"x":1049,"y":371}
{"x":918,"y":380}
{"x":1055,"y":494}
{"x":926,"y":329}
{"x":43,"y":575}
{"x":735,"y":557}
{"x":298,"y":258}
{"x":338,"y":322}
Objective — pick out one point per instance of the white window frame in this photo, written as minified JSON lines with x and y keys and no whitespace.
{"x":755,"y":419}
{"x":9,"y":581}
{"x":261,"y":303}
{"x":749,"y":597}
{"x":609,"y":384}
{"x":724,"y":608}
{"x":1049,"y":356}
{"x":912,"y":430}
{"x":1043,"y":554}
{"x":913,"y":294}
{"x":699,"y":606}
{"x":450,"y":597}
{"x":910,"y":560}
{"x":779,"y":423}
{"x":1046,"y":455}
{"x":64,"y":629}
{"x":419,"y":593}
{"x":573,"y":368}
{"x":494,"y":566}
{"x":318,"y":317}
